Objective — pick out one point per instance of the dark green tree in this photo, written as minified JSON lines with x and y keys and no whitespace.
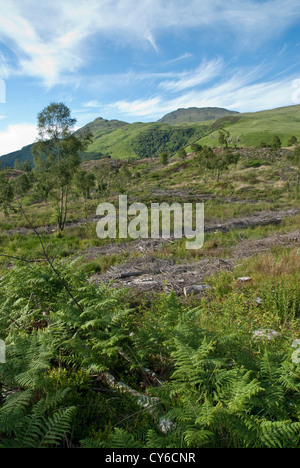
{"x":6,"y":192}
{"x":164,"y":158}
{"x":204,"y":156}
{"x":182,"y":153}
{"x":26,"y":166}
{"x":195,"y":147}
{"x":224,"y":137}
{"x":231,"y":158}
{"x":17,"y":165}
{"x":276,"y":143}
{"x":292,"y":141}
{"x":219,"y":162}
{"x":84,"y":182}
{"x":22,"y":185}
{"x":263,"y":144}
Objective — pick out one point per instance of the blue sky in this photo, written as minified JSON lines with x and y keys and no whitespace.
{"x":138,"y":60}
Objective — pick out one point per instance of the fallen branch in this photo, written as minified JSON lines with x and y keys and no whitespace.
{"x":149,"y":404}
{"x":23,"y":259}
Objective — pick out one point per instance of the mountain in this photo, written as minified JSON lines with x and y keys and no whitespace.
{"x":102,"y":126}
{"x":8,"y":160}
{"x":195,"y":114}
{"x":98,"y":128}
{"x":121,"y":140}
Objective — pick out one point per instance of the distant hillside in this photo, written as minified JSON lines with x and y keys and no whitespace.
{"x":8,"y":160}
{"x":98,"y":128}
{"x":195,"y":114}
{"x":101,"y":126}
{"x":121,"y":140}
{"x":253,"y":128}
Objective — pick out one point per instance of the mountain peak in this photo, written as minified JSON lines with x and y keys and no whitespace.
{"x":195,"y":114}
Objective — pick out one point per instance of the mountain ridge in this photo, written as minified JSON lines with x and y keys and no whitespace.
{"x":121,"y":140}
{"x":195,"y":114}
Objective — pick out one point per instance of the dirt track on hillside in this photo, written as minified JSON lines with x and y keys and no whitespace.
{"x":149,"y":273}
{"x":152,"y":274}
{"x":261,"y":218}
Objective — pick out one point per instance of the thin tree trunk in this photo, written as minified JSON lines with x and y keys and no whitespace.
{"x":63,"y":210}
{"x":65,"y":207}
{"x":64,"y":284}
{"x":60,"y":214}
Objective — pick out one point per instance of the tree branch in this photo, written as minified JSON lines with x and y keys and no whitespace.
{"x":23,"y":259}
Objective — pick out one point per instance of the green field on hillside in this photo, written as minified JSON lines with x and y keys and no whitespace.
{"x":254,"y":128}
{"x":121,"y":140}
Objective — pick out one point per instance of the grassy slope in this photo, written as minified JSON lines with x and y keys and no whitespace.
{"x":118,"y":142}
{"x":253,"y":128}
{"x":114,"y":137}
{"x":273,"y":185}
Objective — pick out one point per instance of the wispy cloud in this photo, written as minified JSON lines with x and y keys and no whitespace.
{"x":238,"y":93}
{"x":93,"y":104}
{"x":138,"y":107}
{"x":185,"y":56}
{"x":50,"y":40}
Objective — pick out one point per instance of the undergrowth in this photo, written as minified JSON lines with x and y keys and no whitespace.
{"x":116,"y":372}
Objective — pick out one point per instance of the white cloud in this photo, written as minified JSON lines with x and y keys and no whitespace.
{"x":51,"y":39}
{"x":2,"y":92}
{"x":245,"y":98}
{"x":237,"y":93}
{"x":38,"y":53}
{"x":138,"y":107}
{"x":16,"y":136}
{"x":93,"y":104}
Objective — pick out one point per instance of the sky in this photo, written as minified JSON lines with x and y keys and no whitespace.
{"x":138,"y":60}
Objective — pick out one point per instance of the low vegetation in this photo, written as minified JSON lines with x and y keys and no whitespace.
{"x":93,"y":364}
